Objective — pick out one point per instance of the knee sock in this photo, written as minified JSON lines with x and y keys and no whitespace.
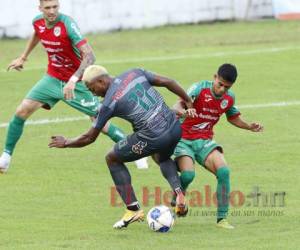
{"x":186,"y":178}
{"x":14,"y":132}
{"x":168,"y":169}
{"x":122,"y":180}
{"x":115,"y":133}
{"x":223,"y":190}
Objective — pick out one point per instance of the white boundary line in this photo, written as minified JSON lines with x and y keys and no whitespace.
{"x":81,"y":118}
{"x":186,"y":56}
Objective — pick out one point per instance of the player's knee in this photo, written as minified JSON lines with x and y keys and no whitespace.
{"x":187,"y":176}
{"x":24,"y":110}
{"x":111,"y":159}
{"x":223,"y":173}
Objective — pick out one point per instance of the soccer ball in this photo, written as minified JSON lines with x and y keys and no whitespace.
{"x":160,"y":219}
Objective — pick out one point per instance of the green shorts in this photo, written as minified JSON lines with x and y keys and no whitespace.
{"x":49,"y":91}
{"x":196,"y":149}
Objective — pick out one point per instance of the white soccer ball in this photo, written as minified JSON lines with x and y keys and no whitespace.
{"x":160,"y":219}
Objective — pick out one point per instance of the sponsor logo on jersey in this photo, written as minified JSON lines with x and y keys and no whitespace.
{"x":208,"y":98}
{"x":224,"y":104}
{"x":200,"y":126}
{"x":84,"y":103}
{"x":42,"y":29}
{"x":57,"y":31}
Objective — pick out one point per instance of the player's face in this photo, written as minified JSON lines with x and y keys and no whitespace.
{"x":220,"y":86}
{"x":50,"y":10}
{"x":98,"y":87}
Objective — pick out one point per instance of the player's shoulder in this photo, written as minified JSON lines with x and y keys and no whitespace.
{"x":37,"y":18}
{"x":197,"y":87}
{"x":65,"y":19}
{"x":231,"y":94}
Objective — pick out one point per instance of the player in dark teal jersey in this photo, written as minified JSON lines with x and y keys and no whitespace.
{"x":131,"y":96}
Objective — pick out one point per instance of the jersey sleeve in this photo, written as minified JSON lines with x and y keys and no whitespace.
{"x":104,"y":114}
{"x":74,"y":32}
{"x":233,"y":111}
{"x":195,"y":90}
{"x":149,"y":75}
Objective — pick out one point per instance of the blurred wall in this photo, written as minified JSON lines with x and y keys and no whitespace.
{"x":107,"y":15}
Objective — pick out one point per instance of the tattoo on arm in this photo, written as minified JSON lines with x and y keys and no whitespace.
{"x":88,"y":58}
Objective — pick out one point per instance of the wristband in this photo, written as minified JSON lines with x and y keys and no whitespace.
{"x":74,"y":79}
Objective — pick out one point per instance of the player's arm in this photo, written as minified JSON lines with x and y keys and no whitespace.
{"x":173,"y":86}
{"x":17,"y":64}
{"x":81,"y":141}
{"x":86,"y":138}
{"x":88,"y":58}
{"x":181,"y":110}
{"x":240,"y":123}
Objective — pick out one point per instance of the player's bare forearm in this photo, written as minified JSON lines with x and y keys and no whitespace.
{"x":32,"y":42}
{"x":174,"y":87}
{"x":88,"y":58}
{"x":240,"y":123}
{"x":81,"y":141}
{"x":17,"y":63}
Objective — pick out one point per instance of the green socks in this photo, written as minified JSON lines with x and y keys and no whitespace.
{"x":186,"y":178}
{"x":223,"y":189}
{"x":115,"y":133}
{"x":15,"y":130}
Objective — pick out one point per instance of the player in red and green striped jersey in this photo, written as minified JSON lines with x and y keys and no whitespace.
{"x":211,"y":99}
{"x":69,"y":54}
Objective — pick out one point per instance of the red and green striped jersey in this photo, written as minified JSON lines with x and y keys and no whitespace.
{"x":61,"y":43}
{"x":209,"y":109}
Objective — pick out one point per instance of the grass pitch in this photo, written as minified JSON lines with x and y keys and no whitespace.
{"x":61,"y":199}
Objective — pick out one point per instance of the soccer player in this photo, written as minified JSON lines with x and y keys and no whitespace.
{"x":69,"y":54}
{"x":211,"y":99}
{"x":131,"y":96}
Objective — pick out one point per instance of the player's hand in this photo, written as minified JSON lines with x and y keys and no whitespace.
{"x":191,"y":113}
{"x":57,"y":142}
{"x":69,"y":89}
{"x":17,"y":64}
{"x":256,"y":127}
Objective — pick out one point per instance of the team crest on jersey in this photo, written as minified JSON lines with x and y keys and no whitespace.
{"x":224,"y":104}
{"x":57,"y":31}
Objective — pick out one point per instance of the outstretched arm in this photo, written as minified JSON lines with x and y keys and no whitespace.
{"x":81,"y":141}
{"x":173,"y":86}
{"x":88,"y":58}
{"x":17,"y":64}
{"x":240,"y":123}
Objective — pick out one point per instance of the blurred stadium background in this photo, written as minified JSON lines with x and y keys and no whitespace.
{"x":60,"y":199}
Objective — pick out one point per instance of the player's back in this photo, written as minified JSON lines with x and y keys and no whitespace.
{"x":137,"y":101}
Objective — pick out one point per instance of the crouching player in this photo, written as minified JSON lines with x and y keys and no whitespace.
{"x":211,"y":99}
{"x":132,"y":96}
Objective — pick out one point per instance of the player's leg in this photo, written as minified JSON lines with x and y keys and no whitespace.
{"x":87,"y":103}
{"x":41,"y":95}
{"x":165,"y":148}
{"x":123,"y":152}
{"x":216,"y":163}
{"x":184,"y":157}
{"x":15,"y":130}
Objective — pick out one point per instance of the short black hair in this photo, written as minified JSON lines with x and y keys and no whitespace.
{"x":228,"y":72}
